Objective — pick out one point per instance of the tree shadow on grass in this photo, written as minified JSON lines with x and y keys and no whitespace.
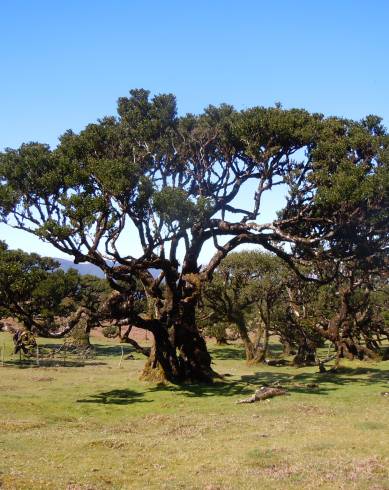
{"x":321,"y":384}
{"x":246,"y":385}
{"x":236,"y":351}
{"x":99,"y":350}
{"x":112,"y":350}
{"x":50,"y":363}
{"x":218,"y":388}
{"x":227,"y":353}
{"x":307,"y":383}
{"x":304,"y":383}
{"x":275,"y":350}
{"x":348,"y":374}
{"x":326,"y":382}
{"x":115,"y":397}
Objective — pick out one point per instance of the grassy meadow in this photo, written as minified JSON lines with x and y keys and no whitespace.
{"x":94,"y":425}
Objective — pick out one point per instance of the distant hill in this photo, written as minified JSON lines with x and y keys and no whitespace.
{"x":83,"y":268}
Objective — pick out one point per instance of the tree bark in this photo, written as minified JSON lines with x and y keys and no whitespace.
{"x":306,"y":355}
{"x":221,"y":341}
{"x":287,"y":348}
{"x":178,"y":354}
{"x":255,"y":351}
{"x":124,"y":338}
{"x":81,"y":324}
{"x":80,"y":336}
{"x":163,"y":363}
{"x":262,"y":340}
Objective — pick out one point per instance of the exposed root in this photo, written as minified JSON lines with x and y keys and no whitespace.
{"x":153,"y":374}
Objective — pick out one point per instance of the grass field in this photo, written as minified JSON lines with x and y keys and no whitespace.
{"x":96,"y":426}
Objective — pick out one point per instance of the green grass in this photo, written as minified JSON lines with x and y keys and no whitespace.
{"x":96,"y":426}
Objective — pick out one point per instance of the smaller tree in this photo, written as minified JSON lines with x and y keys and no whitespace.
{"x":219,"y":330}
{"x":40,"y":295}
{"x":356,"y":323}
{"x":245,"y":291}
{"x":348,"y":312}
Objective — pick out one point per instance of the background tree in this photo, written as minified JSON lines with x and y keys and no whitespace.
{"x":348,"y":313}
{"x":32,"y":288}
{"x":177,"y":182}
{"x":245,"y":291}
{"x":86,"y":301}
{"x":35,"y":291}
{"x":294,"y":322}
{"x":355,"y":321}
{"x":221,"y":331}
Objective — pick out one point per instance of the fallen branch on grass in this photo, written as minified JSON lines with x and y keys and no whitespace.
{"x":276,"y":362}
{"x":263,"y":393}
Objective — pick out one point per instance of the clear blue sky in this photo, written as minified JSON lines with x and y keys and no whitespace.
{"x":64,"y":64}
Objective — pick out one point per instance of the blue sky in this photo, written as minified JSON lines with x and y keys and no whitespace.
{"x":64,"y":64}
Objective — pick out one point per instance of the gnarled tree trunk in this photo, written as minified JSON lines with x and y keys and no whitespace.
{"x":179,"y":353}
{"x":287,"y":348}
{"x":306,"y":354}
{"x":255,"y":350}
{"x":79,"y":335}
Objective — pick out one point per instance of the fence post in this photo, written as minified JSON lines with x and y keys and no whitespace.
{"x":37,"y":355}
{"x":121,"y":359}
{"x":2,"y":354}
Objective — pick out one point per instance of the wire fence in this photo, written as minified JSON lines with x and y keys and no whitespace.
{"x":50,"y":355}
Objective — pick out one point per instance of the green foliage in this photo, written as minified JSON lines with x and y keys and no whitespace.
{"x":172,"y":205}
{"x":177,"y":182}
{"x":35,"y":290}
{"x":31,"y":281}
{"x":92,"y":291}
{"x":243,"y":283}
{"x":111,"y":331}
{"x":148,"y":160}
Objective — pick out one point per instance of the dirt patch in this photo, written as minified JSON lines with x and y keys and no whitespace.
{"x":43,"y":378}
{"x":78,"y":486}
{"x":186,"y":431}
{"x":158,"y":419}
{"x":138,"y":334}
{"x":308,"y":409}
{"x":19,"y":425}
{"x":109,"y":443}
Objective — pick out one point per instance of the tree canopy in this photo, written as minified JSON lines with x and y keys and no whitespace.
{"x":177,"y":181}
{"x":36,"y":291}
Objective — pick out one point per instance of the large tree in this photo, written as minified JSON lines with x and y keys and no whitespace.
{"x":176,"y":183}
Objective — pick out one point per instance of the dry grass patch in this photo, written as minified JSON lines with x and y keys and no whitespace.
{"x":98,"y":427}
{"x":20,"y":425}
